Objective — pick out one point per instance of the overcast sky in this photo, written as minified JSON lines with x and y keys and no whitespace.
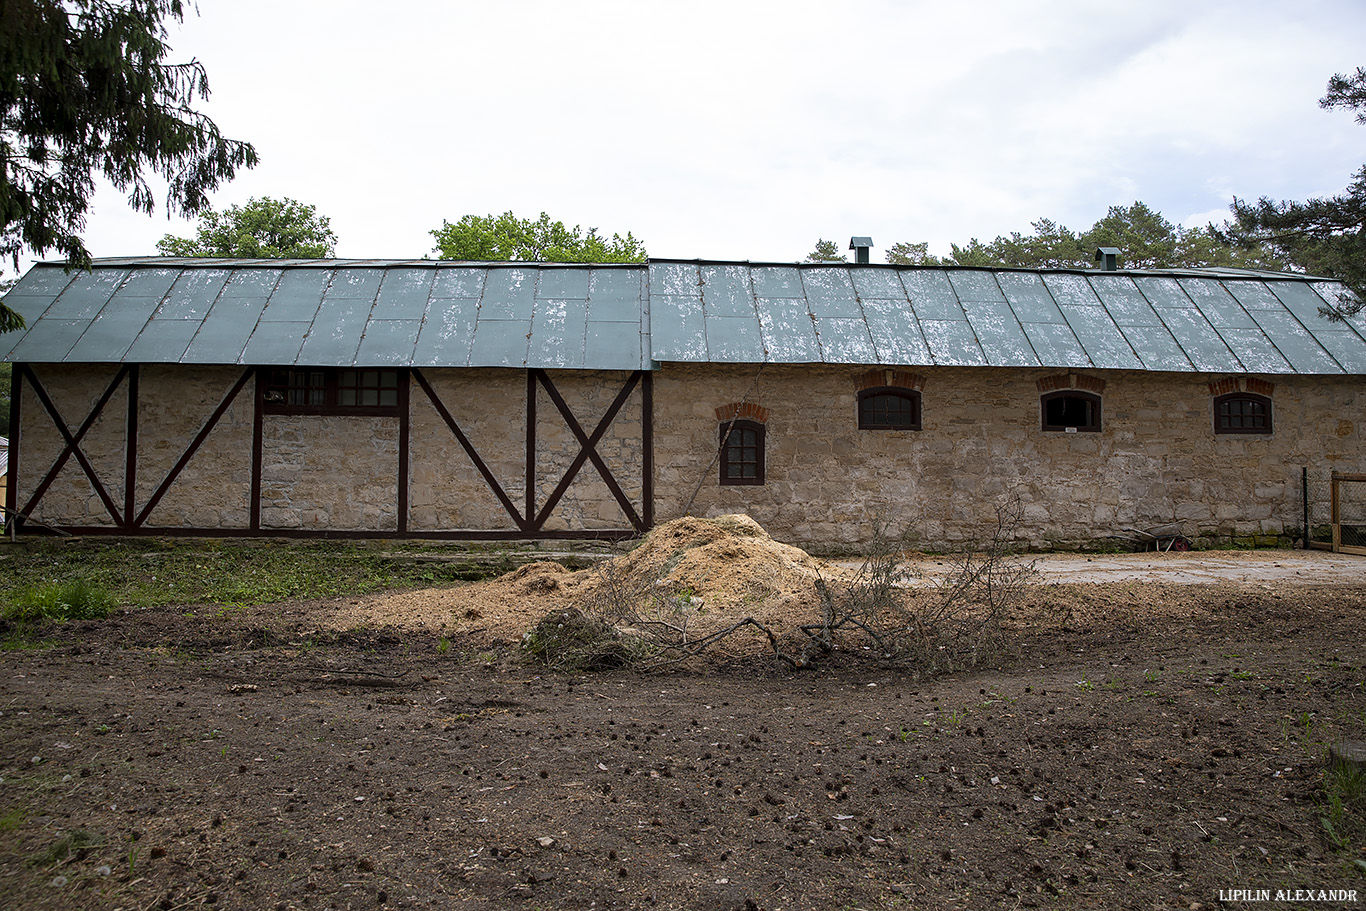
{"x":748,"y":130}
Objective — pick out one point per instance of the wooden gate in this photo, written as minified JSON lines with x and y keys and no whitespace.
{"x":1348,"y":519}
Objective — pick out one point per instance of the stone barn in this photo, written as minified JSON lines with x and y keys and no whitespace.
{"x":528,"y":400}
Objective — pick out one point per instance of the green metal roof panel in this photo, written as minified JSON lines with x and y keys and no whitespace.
{"x":775,"y":281}
{"x":845,"y":340}
{"x":274,"y":342}
{"x":975,"y":286}
{"x":388,"y":343}
{"x":224,"y":333}
{"x":678,"y":327}
{"x":895,"y":331}
{"x":193,"y":294}
{"x":86,"y":295}
{"x":403,"y":294}
{"x":334,"y":336}
{"x":1219,"y":307}
{"x":733,"y":340}
{"x":163,"y":341}
{"x":1125,"y":303}
{"x":1028,"y":298}
{"x":563,"y":284}
{"x":675,"y":279}
{"x":1100,"y":338}
{"x":788,"y":334}
{"x":932,"y":296}
{"x":883,"y":284}
{"x":999,"y":332}
{"x":463,"y":282}
{"x":48,"y":340}
{"x":509,"y":294}
{"x":252,"y":284}
{"x":952,"y":343}
{"x":570,"y":316}
{"x":1294,"y":342}
{"x":1256,"y":353}
{"x":446,"y":333}
{"x":1197,"y":338}
{"x":297,"y":296}
{"x":558,"y":330}
{"x":113,"y":332}
{"x":726,"y":291}
{"x":351,"y":284}
{"x":829,"y":292}
{"x":500,"y":342}
{"x":615,"y":345}
{"x":1347,"y":348}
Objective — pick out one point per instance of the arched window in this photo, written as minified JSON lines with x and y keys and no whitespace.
{"x":1070,"y":411}
{"x":742,"y":452}
{"x":889,"y":408}
{"x":1242,"y":412}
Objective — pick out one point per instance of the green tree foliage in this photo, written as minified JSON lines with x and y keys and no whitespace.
{"x":1322,"y":236}
{"x":500,"y":238}
{"x":264,"y":228}
{"x":827,"y":251}
{"x":84,"y":89}
{"x":1146,"y":239}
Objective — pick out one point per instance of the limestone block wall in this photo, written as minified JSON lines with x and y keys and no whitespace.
{"x":332,"y":472}
{"x":1156,"y":460}
{"x":447,"y":491}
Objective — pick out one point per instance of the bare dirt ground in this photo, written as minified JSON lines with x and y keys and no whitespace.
{"x":1144,"y":741}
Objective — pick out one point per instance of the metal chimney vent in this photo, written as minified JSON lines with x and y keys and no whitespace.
{"x":861,"y":246}
{"x":1108,"y":257}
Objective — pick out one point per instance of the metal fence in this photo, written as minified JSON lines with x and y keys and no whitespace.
{"x":1335,"y":511}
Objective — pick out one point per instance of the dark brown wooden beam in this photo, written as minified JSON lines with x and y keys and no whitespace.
{"x":130,"y":442}
{"x":12,"y":481}
{"x":257,"y":447}
{"x":531,"y":445}
{"x":647,"y":450}
{"x":404,"y":419}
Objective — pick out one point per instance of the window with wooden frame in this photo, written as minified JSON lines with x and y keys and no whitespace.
{"x":888,"y":408}
{"x":1242,"y":412}
{"x":742,"y":453}
{"x":331,"y":390}
{"x":1070,"y":411}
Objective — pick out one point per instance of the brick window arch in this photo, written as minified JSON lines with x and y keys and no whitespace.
{"x":1242,"y":412}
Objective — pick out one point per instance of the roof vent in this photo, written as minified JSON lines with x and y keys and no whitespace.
{"x":1108,"y":257}
{"x":861,"y":246}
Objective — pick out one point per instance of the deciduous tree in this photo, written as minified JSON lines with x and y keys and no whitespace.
{"x":264,"y":228}
{"x":498,"y":238}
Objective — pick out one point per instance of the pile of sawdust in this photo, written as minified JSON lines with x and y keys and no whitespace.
{"x":724,"y":568}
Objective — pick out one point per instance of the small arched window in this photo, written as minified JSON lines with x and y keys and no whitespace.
{"x":742,"y":453}
{"x":1242,"y":412}
{"x":889,"y":408}
{"x":1070,"y":411}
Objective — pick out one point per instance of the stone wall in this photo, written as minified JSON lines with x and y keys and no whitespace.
{"x":331,"y":473}
{"x":1156,"y":460}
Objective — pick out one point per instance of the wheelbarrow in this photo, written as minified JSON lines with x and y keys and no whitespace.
{"x":1163,"y":538}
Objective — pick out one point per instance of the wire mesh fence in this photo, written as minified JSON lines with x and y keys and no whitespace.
{"x":1335,"y":509}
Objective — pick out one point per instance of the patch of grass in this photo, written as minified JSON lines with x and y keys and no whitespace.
{"x":56,"y":602}
{"x":1343,"y":807}
{"x":72,"y":844}
{"x":231,"y":573}
{"x":12,"y":819}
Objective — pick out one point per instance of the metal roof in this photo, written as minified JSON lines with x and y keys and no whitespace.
{"x":1219,"y":320}
{"x":627,"y":317}
{"x":332,"y":313}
